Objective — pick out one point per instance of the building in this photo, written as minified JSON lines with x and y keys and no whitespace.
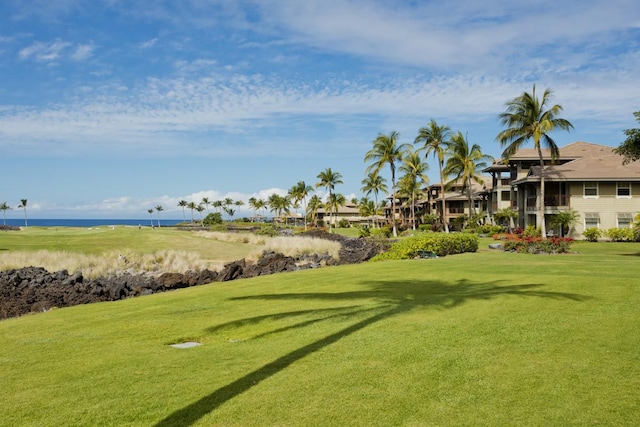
{"x":587,"y":178}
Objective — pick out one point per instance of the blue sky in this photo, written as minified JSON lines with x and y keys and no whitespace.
{"x":110,"y":107}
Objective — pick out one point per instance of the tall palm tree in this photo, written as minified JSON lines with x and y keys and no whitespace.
{"x":329,"y":179}
{"x":315,"y":203}
{"x":183,"y":205}
{"x":206,"y":203}
{"x":415,"y":176}
{"x":4,"y":207}
{"x":200,"y":208}
{"x":436,"y":140}
{"x":465,"y":164}
{"x":387,"y":151}
{"x":279,"y":204}
{"x":374,"y":183}
{"x":367,"y":208}
{"x":151,"y":215}
{"x":299,"y":193}
{"x":252,"y":204}
{"x":23,"y":205}
{"x":192,"y":206}
{"x":159,"y":209}
{"x":529,"y":118}
{"x":336,"y":200}
{"x":217,"y":204}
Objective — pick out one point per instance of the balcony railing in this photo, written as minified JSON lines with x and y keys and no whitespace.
{"x":553,"y":200}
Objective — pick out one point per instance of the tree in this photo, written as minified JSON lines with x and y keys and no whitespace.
{"x":200,"y":208}
{"x":374,"y":183}
{"x":151,"y":215}
{"x":23,"y":205}
{"x":387,"y":151}
{"x":299,"y":193}
{"x":465,"y":164}
{"x":159,"y":209}
{"x":506,"y":217}
{"x":329,"y":179}
{"x":183,"y":205}
{"x":415,"y":177}
{"x":206,"y":203}
{"x":315,"y":203}
{"x":192,"y":206}
{"x":527,"y":118}
{"x":367,"y":208}
{"x":336,"y":200}
{"x":4,"y":207}
{"x":565,"y":220}
{"x":630,"y":148}
{"x":436,"y":140}
{"x":279,"y":204}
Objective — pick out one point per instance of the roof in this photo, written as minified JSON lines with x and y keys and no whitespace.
{"x":574,"y":150}
{"x":594,"y":163}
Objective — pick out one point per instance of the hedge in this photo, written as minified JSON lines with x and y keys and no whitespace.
{"x":439,"y":243}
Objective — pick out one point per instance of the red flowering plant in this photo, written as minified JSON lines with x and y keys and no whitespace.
{"x":537,"y":245}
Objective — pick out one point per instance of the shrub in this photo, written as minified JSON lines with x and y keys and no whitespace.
{"x":439,"y":243}
{"x":489,"y":229}
{"x":620,"y":234}
{"x":268,"y":230}
{"x":363,"y":231}
{"x":592,"y":234}
{"x":531,"y":231}
{"x":343,"y":223}
{"x":381,"y":232}
{"x":537,"y":245}
{"x":212,"y":219}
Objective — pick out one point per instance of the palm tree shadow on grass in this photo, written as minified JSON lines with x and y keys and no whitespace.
{"x":384,"y":299}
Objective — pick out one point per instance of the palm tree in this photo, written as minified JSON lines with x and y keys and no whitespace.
{"x":159,"y":209}
{"x":279,"y":204}
{"x":192,"y":206}
{"x":374,"y":183}
{"x":315,"y":203}
{"x":527,"y":118}
{"x":367,"y":208}
{"x":387,"y":151}
{"x":151,"y":215}
{"x":465,"y":163}
{"x":23,"y":205}
{"x":183,"y":204}
{"x":239,"y":203}
{"x":436,"y":140}
{"x":206,"y":203}
{"x":415,"y":177}
{"x":4,"y":207}
{"x":199,"y":208}
{"x":329,"y":179}
{"x":336,"y":200}
{"x":217,"y":205}
{"x":565,"y":220}
{"x":299,"y":193}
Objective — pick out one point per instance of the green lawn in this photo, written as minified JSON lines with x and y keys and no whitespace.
{"x":488,"y":338}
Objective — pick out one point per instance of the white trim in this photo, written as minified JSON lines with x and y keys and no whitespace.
{"x":618,"y":196}
{"x":584,"y":190}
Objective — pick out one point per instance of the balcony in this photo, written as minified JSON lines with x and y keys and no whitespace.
{"x":550,"y":200}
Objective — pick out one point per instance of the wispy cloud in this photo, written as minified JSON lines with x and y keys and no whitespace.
{"x":82,"y":52}
{"x":44,"y":52}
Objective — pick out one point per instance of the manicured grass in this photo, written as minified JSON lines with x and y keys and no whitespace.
{"x":103,"y":239}
{"x":488,"y":338}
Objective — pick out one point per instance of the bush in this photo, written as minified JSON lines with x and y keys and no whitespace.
{"x":268,"y":230}
{"x":537,"y":245}
{"x":489,"y":229}
{"x":531,"y":231}
{"x":363,"y":231}
{"x":381,"y":232}
{"x":439,"y":243}
{"x":212,"y":219}
{"x":343,"y":223}
{"x":620,"y":234}
{"x":592,"y":234}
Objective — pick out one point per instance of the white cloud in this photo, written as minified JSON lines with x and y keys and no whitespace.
{"x":44,"y":52}
{"x":82,"y":52}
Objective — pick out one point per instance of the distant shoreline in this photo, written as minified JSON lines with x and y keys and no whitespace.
{"x":57,"y":222}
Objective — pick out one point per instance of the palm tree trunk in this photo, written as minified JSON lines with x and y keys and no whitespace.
{"x":445,"y":222}
{"x":393,"y":202}
{"x":541,"y":222}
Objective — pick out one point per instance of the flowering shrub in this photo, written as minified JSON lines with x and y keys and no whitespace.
{"x":440,"y":244}
{"x":537,"y":245}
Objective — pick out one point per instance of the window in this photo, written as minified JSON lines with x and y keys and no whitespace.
{"x":505,"y":196}
{"x":625,"y":219}
{"x":623,"y":190}
{"x":591,"y":220}
{"x":590,"y":189}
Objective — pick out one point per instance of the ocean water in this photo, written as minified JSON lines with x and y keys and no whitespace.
{"x":37,"y":222}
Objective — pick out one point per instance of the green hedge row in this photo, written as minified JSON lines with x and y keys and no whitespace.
{"x":439,"y":243}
